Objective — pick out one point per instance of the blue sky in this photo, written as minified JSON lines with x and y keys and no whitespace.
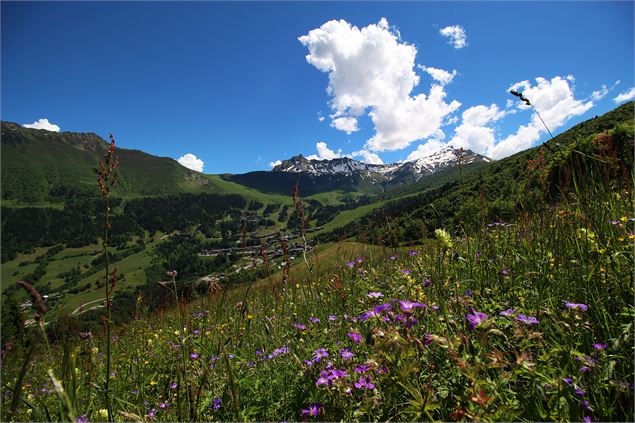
{"x":240,"y":85}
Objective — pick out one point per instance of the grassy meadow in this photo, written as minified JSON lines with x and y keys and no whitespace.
{"x":528,"y":320}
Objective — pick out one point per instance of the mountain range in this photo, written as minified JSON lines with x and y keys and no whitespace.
{"x":40,"y":166}
{"x":403,"y":172}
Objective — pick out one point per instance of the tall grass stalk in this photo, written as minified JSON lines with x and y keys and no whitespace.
{"x":107,"y":177}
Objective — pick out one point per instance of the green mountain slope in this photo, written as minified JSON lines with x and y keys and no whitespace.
{"x":40,"y":166}
{"x":601,"y":147}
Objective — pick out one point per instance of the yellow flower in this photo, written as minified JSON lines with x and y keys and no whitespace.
{"x":250,"y":317}
{"x":152,"y":383}
{"x":103,"y":413}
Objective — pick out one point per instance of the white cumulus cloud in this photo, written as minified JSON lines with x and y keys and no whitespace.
{"x":324,"y":152}
{"x":347,"y":124}
{"x":474,"y":132}
{"x":368,"y":157}
{"x":42,"y":124}
{"x":601,"y":93}
{"x":625,"y":96}
{"x":456,"y":34}
{"x":555,"y":102}
{"x":274,"y":164}
{"x":442,"y":76}
{"x":372,"y":72}
{"x":190,"y":161}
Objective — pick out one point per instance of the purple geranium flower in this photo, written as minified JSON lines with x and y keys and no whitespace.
{"x":394,"y":257}
{"x":381,"y":308}
{"x":509,"y":312}
{"x":195,"y":356}
{"x":314,"y":319}
{"x":475,"y":318}
{"x":350,"y":263}
{"x":579,"y":392}
{"x":406,"y":271}
{"x":216,"y":404}
{"x":528,"y":320}
{"x":413,"y":253}
{"x":173,"y":385}
{"x":332,"y":318}
{"x":82,"y":419}
{"x":298,"y":326}
{"x":409,"y":306}
{"x":375,"y":295}
{"x":368,"y":314}
{"x":599,"y":346}
{"x":346,"y":353}
{"x":364,"y":382}
{"x":504,"y":272}
{"x":361,"y":368}
{"x":313,"y":410}
{"x":576,"y":306}
{"x":356,"y":337}
{"x":568,"y":381}
{"x":319,"y":354}
{"x":427,"y":282}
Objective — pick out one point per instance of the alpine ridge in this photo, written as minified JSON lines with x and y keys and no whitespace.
{"x":410,"y":171}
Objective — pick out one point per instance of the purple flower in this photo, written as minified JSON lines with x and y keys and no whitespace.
{"x":195,"y":356}
{"x":381,"y":308}
{"x":216,"y":404}
{"x":82,"y":419}
{"x":394,"y":257}
{"x":568,"y":381}
{"x":528,"y":320}
{"x":163,"y":405}
{"x":367,"y":315}
{"x":319,"y":354}
{"x":475,"y":319}
{"x":436,"y":307}
{"x":298,"y":326}
{"x":587,"y":419}
{"x":406,"y":271}
{"x":468,"y":293}
{"x":359,"y":260}
{"x":576,"y":306}
{"x":361,"y":368}
{"x":599,"y":346}
{"x":504,"y":272}
{"x":409,"y":306}
{"x":350,"y":263}
{"x":413,"y":253}
{"x":375,"y":295}
{"x":278,"y":351}
{"x":308,"y":363}
{"x":356,"y":337}
{"x":313,"y":410}
{"x":134,"y":391}
{"x":478,"y":254}
{"x":427,"y":339}
{"x":314,"y":319}
{"x":364,"y":382}
{"x":579,"y":392}
{"x":346,"y":353}
{"x":585,"y":369}
{"x":152,"y":412}
{"x":427,"y":282}
{"x":584,"y":405}
{"x":509,"y":312}
{"x":332,"y":318}
{"x":173,"y":385}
